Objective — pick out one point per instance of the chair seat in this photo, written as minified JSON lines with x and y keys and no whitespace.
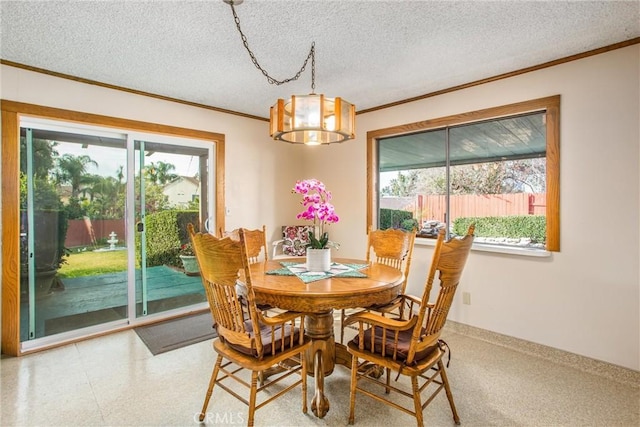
{"x":269,"y":338}
{"x":429,"y":359}
{"x":398,"y":351}
{"x":249,"y":362}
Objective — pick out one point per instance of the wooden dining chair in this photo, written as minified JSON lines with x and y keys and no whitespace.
{"x":247,"y":340}
{"x":390,"y":247}
{"x":256,"y":251}
{"x":411,"y":345}
{"x":256,"y":242}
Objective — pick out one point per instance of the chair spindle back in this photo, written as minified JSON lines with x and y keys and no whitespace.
{"x":391,"y":247}
{"x":256,"y":241}
{"x":223,"y":263}
{"x":449,"y":259}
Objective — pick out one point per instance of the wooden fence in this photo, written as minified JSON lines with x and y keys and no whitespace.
{"x":428,"y":207}
{"x":85,"y":232}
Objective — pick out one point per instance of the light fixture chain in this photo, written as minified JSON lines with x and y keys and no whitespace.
{"x":270,"y":79}
{"x":313,"y":67}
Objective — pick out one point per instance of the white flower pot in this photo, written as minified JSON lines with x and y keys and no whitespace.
{"x":318,"y":259}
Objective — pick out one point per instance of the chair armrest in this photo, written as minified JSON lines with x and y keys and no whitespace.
{"x":413,"y":299}
{"x":430,"y":307}
{"x":277,"y":251}
{"x":376,"y":320}
{"x":274,"y":248}
{"x":387,"y":308}
{"x":332,"y":244}
{"x":280,"y":318}
{"x":402,"y":298}
{"x":403,"y":307}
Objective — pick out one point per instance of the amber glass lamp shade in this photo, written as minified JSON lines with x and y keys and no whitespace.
{"x":312,"y":120}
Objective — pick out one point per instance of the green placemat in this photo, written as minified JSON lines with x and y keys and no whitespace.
{"x":300,"y":270}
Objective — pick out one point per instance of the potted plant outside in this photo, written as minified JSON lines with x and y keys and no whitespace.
{"x":189,"y":260}
{"x":50,"y":226}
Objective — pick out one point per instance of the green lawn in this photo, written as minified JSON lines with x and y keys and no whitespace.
{"x":93,"y":263}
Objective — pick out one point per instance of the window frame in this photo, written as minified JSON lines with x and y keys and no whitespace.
{"x":550,"y":105}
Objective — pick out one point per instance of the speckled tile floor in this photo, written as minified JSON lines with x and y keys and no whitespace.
{"x":115,"y":381}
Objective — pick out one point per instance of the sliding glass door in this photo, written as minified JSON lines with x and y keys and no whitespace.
{"x":103,"y":216}
{"x":171,"y":181}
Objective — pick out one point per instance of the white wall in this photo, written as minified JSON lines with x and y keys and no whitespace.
{"x":584,"y":299}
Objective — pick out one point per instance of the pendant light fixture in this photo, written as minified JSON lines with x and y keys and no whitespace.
{"x":305,"y":119}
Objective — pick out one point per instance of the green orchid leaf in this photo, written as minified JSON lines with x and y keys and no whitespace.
{"x":324,"y":240}
{"x":314,"y":243}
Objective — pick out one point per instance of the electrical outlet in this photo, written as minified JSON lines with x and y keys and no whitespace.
{"x":466,"y":298}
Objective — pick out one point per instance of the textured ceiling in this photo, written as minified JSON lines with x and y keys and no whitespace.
{"x":370,"y":53}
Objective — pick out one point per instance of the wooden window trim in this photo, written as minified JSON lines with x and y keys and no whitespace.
{"x":11,"y":114}
{"x":549,"y":104}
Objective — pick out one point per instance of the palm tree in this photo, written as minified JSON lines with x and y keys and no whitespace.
{"x":160,"y":172}
{"x":106,"y":191}
{"x":72,"y":170}
{"x":120,"y":174}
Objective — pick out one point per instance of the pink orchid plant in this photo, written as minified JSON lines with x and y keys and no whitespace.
{"x":316,"y":201}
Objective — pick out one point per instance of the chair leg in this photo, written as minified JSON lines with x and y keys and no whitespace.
{"x":352,"y":394}
{"x":447,"y":390}
{"x":252,"y":398}
{"x":303,"y":372}
{"x":387,"y":389}
{"x":417,"y":404}
{"x":212,"y":382}
{"x":342,"y":317}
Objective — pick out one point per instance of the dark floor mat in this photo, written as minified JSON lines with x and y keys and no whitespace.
{"x":176,"y":333}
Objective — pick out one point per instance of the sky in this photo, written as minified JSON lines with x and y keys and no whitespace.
{"x":110,"y":159}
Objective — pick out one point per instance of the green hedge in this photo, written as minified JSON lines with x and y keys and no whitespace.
{"x":511,"y":227}
{"x":393,"y":218}
{"x":166,"y":231}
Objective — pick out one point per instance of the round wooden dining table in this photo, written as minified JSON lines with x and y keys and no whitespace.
{"x":318,"y":299}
